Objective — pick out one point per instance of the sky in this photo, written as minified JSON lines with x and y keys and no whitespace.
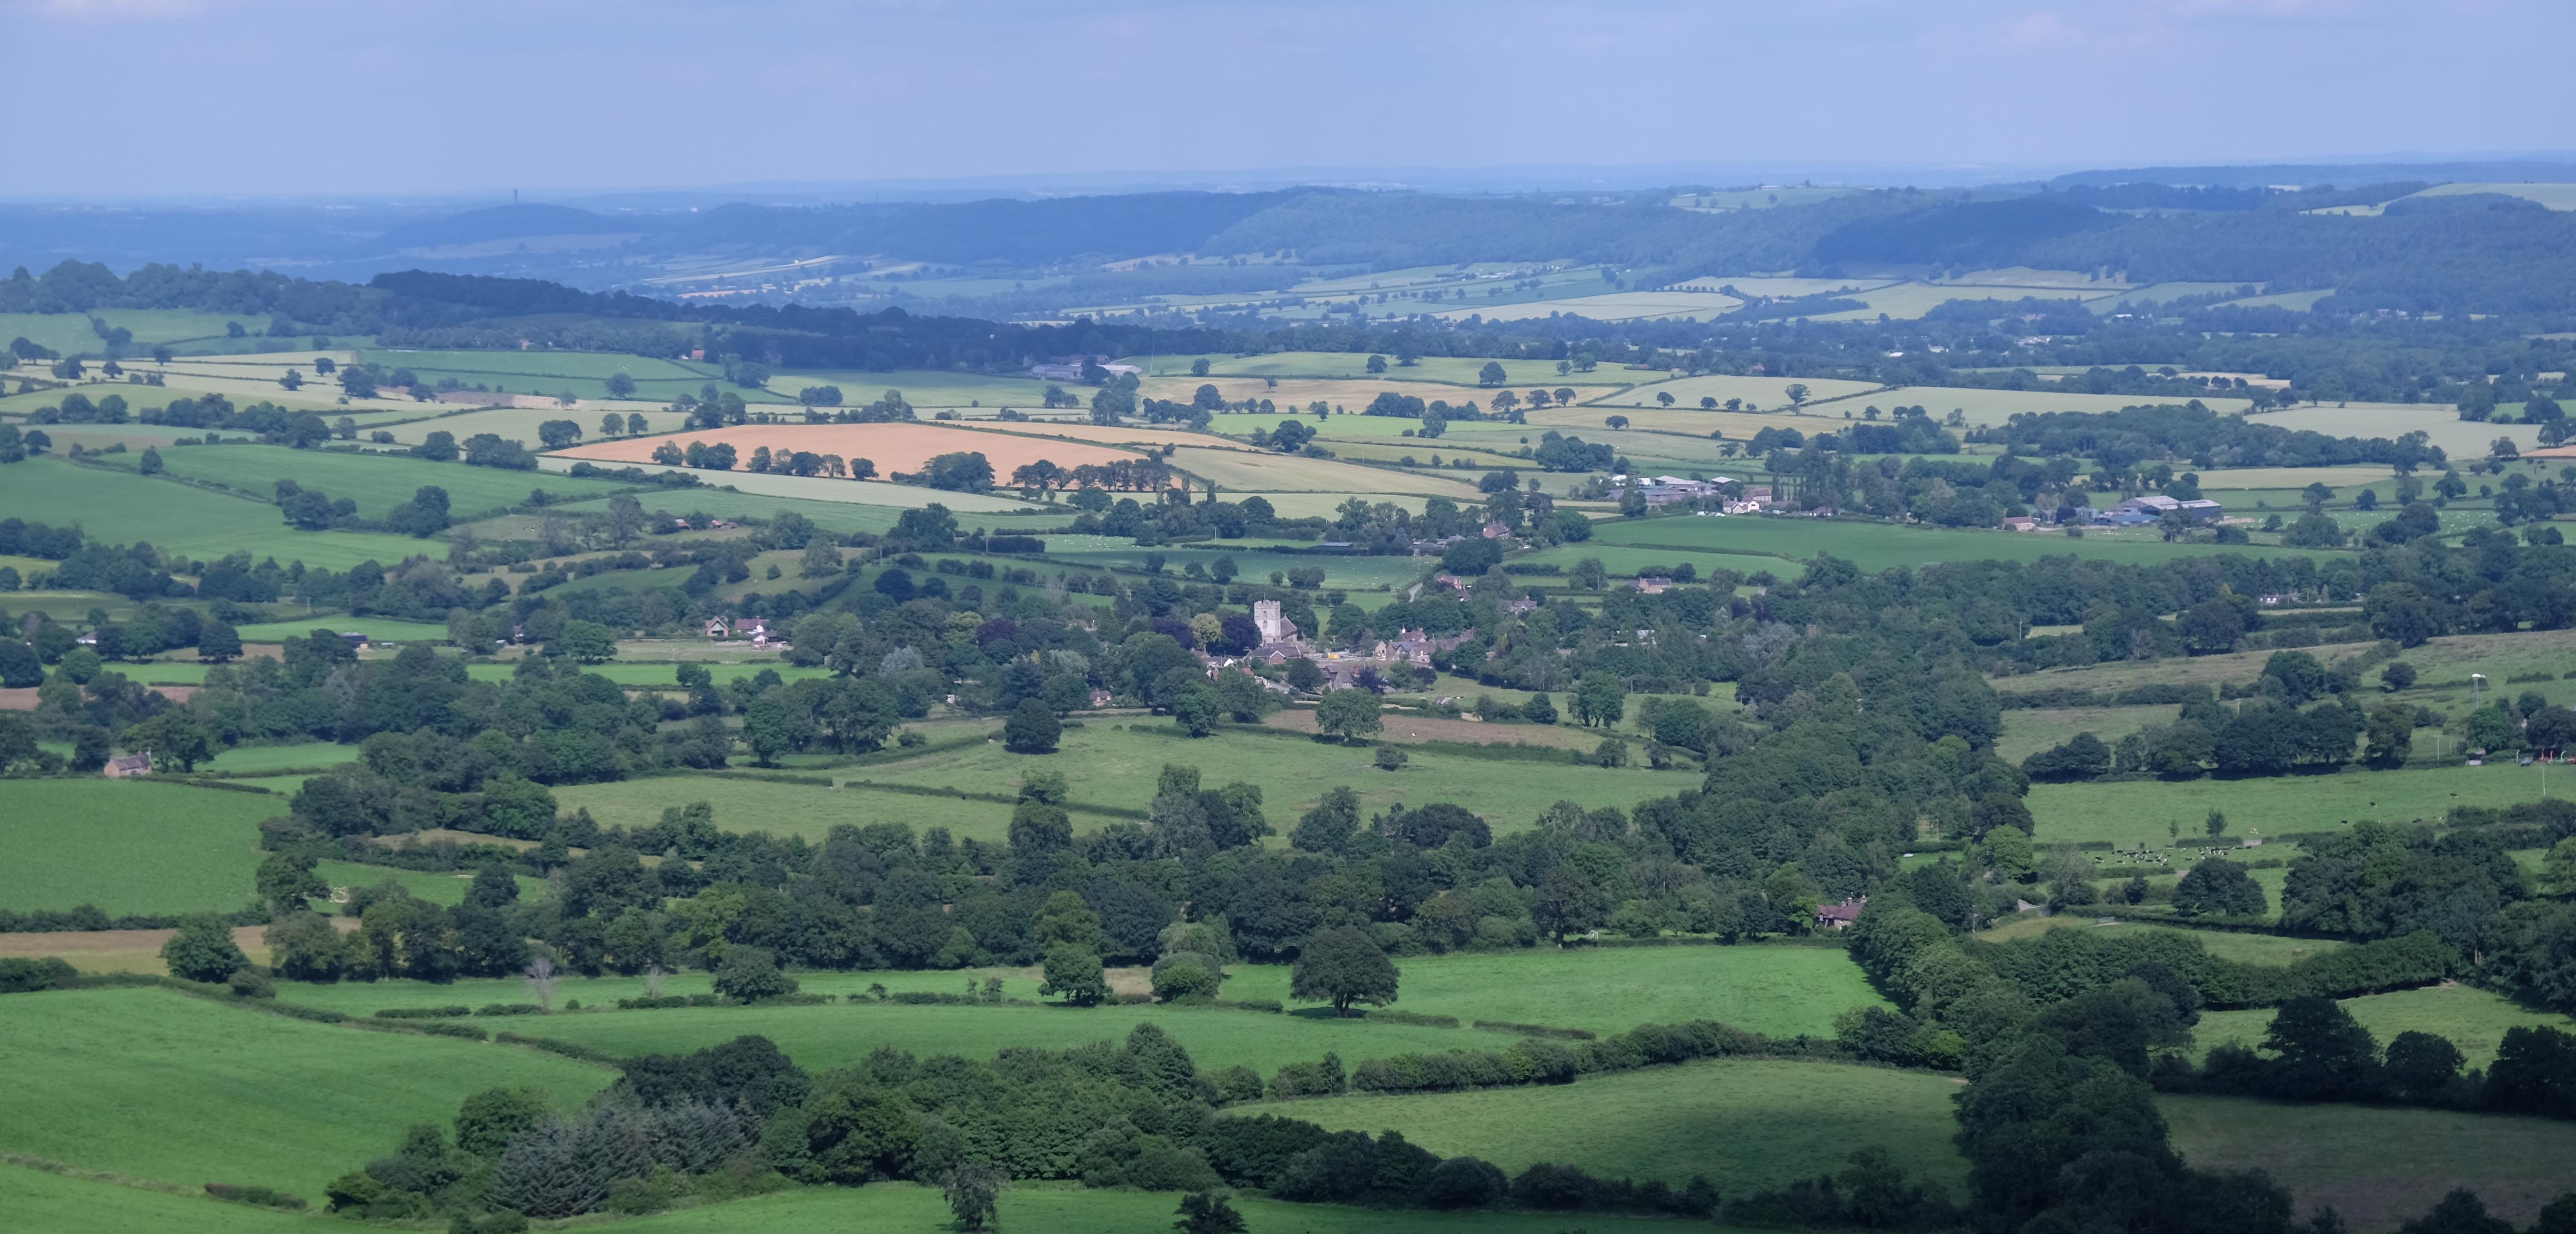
{"x":298,"y":97}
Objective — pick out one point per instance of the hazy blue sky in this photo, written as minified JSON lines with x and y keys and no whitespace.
{"x":375,"y":96}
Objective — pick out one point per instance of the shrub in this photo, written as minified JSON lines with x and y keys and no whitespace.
{"x":19,"y":975}
{"x":421,"y":1013}
{"x":265,"y":1197}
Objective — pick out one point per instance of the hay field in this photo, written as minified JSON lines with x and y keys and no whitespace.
{"x":923,"y":387}
{"x":273,"y":1100}
{"x":801,"y":488}
{"x":1613,"y":306}
{"x":1353,"y":366}
{"x":1243,"y":471}
{"x":1996,"y":406}
{"x":1292,"y":394}
{"x":2439,"y":422}
{"x":1906,"y":301}
{"x":1117,"y":435}
{"x":520,"y":423}
{"x":1760,"y":393}
{"x":893,"y":447}
{"x":120,"y":508}
{"x":1107,"y":764}
{"x":1759,"y":285}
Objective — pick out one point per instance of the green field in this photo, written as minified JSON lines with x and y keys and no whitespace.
{"x":2029,"y":730}
{"x":280,"y":758}
{"x":2237,"y":945}
{"x":2126,"y":812}
{"x":1353,"y":365}
{"x":584,"y":374}
{"x":791,"y":809}
{"x":381,"y":629}
{"x":919,"y":387}
{"x":1873,"y":545}
{"x":2379,"y":1166}
{"x":2472,"y":1019}
{"x":377,"y":482}
{"x":1776,"y":991}
{"x":1113,"y":766}
{"x":1745,"y":1123}
{"x":117,"y":508}
{"x":58,"y":1205}
{"x":1758,"y":393}
{"x":129,"y":846}
{"x":70,"y":333}
{"x":444,"y":889}
{"x":370,"y":997}
{"x":162,"y":1085}
{"x":838,"y":1034}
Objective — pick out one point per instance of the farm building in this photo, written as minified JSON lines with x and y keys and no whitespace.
{"x":1840,"y":916}
{"x":124,"y":765}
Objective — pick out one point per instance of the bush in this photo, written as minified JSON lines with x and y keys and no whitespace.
{"x":265,"y":1197}
{"x":251,"y":983}
{"x":19,"y":975}
{"x":421,"y":1013}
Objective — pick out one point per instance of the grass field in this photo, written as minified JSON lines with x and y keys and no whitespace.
{"x":241,"y":759}
{"x":1353,"y":366}
{"x":2379,"y":1167}
{"x":791,"y":809}
{"x":892,"y":447}
{"x":1758,"y":393}
{"x":1108,"y":765}
{"x":2472,"y":1019}
{"x":822,"y":489}
{"x":1905,"y":301}
{"x":381,"y":629}
{"x":1776,"y":991}
{"x":1242,"y":471}
{"x":59,"y":1205}
{"x":2129,"y":811}
{"x":129,"y":846}
{"x":1112,"y":553}
{"x":370,"y":997}
{"x":270,"y":1100}
{"x":1873,"y":546}
{"x":920,"y":387}
{"x":1610,"y":306}
{"x":1746,"y":1124}
{"x":446,"y":889}
{"x":2439,"y":422}
{"x":118,"y":508}
{"x":377,"y":482}
{"x":71,"y":334}
{"x":2239,"y":946}
{"x":1997,"y":406}
{"x":2029,"y":730}
{"x":838,"y":1034}
{"x":583,"y":374}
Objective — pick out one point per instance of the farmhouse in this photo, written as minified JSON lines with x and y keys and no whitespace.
{"x":1651,"y":584}
{"x":1840,"y":916}
{"x":124,"y":765}
{"x":2021,"y":523}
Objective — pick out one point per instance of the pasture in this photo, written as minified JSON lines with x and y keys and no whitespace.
{"x":377,"y":482}
{"x":907,"y":1208}
{"x":1242,"y":471}
{"x":381,"y":629}
{"x":1353,"y":365}
{"x":2134,"y":811}
{"x":60,"y":1204}
{"x":1906,"y":301}
{"x":371,"y":997}
{"x":2473,"y":1019}
{"x":905,"y":447}
{"x":1109,"y":764}
{"x":442,"y":889}
{"x":118,"y":507}
{"x":1996,"y":406}
{"x":1775,"y":991}
{"x":548,"y":373}
{"x":246,"y":759}
{"x":840,"y":1034}
{"x":2029,"y":730}
{"x":2439,"y":422}
{"x":130,"y":846}
{"x":810,"y":811}
{"x":519,"y":423}
{"x":267,"y":1100}
{"x":1758,"y":393}
{"x":833,"y":516}
{"x":935,"y":388}
{"x":2242,"y":947}
{"x":1872,"y":545}
{"x":1746,"y":1124}
{"x":2378,"y":1166}
{"x":1668,"y":305}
